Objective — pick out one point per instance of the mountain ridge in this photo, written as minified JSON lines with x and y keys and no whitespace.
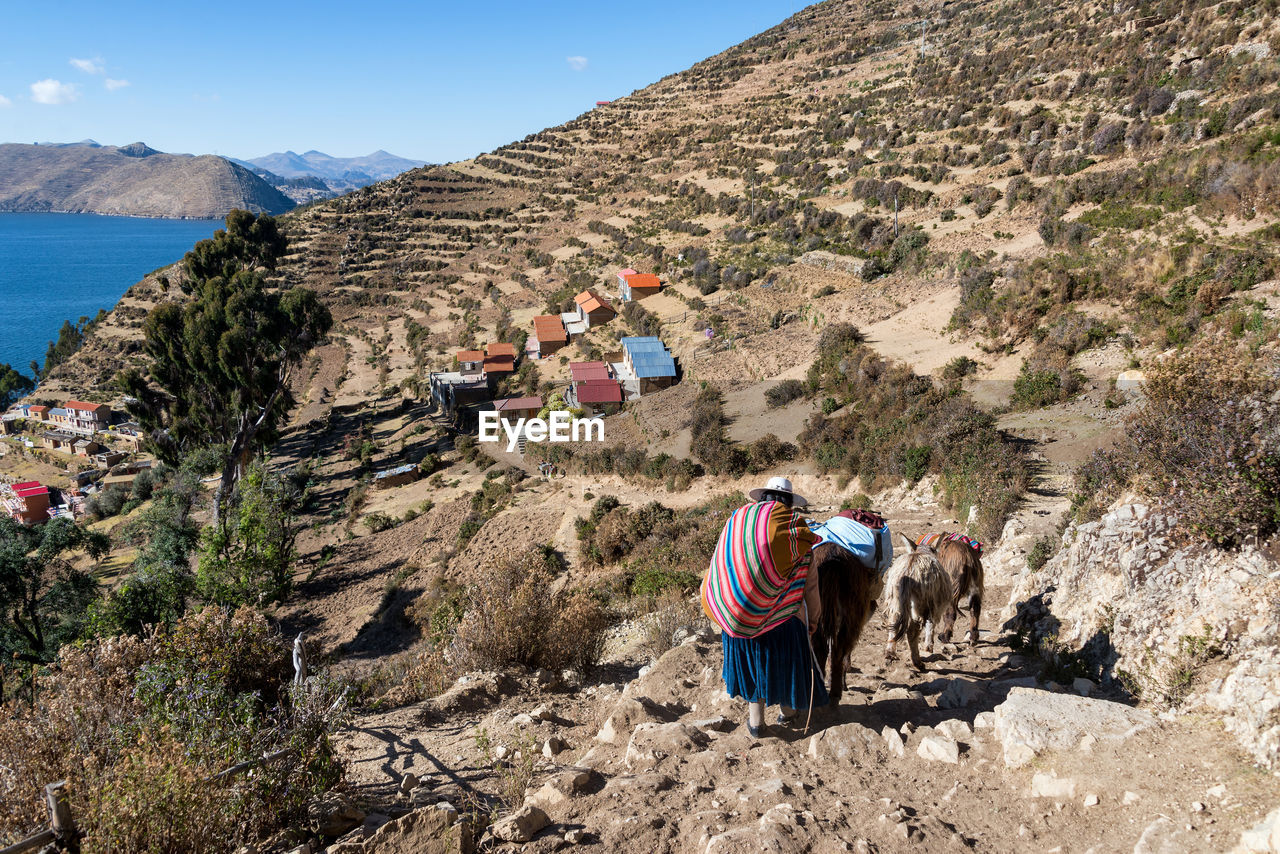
{"x":130,"y":180}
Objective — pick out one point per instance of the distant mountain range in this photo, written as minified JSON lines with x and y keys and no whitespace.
{"x":129,"y":180}
{"x":339,"y":174}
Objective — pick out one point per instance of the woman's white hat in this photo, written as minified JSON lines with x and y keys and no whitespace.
{"x":778,"y":484}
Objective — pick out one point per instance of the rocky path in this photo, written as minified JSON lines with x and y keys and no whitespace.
{"x":974,"y":754}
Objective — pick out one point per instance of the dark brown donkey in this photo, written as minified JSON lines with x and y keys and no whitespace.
{"x":963,"y":565}
{"x":849,"y":591}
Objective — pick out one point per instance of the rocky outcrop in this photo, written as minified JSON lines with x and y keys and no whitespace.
{"x":1136,"y":601}
{"x":132,"y":180}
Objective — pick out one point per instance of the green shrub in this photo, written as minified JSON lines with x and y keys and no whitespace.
{"x":1040,"y":553}
{"x":783,"y":393}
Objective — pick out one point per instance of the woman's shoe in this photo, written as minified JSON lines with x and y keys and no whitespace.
{"x":788,"y":720}
{"x":757,"y":731}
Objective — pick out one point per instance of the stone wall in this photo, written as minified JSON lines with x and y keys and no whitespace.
{"x":1132,"y":594}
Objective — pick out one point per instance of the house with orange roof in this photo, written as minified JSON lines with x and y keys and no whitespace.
{"x":638,"y":286}
{"x":593,"y":309}
{"x":470,"y":361}
{"x":499,"y":358}
{"x":549,"y":333}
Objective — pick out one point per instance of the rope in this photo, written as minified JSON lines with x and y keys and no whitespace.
{"x":813,"y":660}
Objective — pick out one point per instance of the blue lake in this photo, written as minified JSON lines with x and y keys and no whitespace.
{"x":56,"y":267}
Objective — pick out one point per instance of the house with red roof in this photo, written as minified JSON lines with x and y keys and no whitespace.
{"x":596,"y":396}
{"x":88,"y":418}
{"x":513,"y":408}
{"x":581,"y":372}
{"x":29,"y":503}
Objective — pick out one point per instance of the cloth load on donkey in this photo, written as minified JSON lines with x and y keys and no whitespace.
{"x":756,"y":578}
{"x":873,"y":547}
{"x":935,"y":540}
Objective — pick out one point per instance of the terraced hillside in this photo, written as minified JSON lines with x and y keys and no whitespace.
{"x":936,"y":246}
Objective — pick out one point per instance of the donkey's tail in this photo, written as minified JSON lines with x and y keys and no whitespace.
{"x":902,"y":606}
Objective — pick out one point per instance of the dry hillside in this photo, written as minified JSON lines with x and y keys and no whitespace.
{"x":1015,"y":204}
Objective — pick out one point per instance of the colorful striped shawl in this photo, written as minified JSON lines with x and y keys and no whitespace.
{"x":756,"y":578}
{"x":936,"y":539}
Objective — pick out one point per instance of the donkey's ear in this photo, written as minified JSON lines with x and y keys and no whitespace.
{"x":906,"y":541}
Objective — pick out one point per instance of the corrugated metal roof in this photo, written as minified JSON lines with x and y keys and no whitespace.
{"x":549,"y":327}
{"x":500,"y":349}
{"x":80,"y":404}
{"x":590,"y":301}
{"x":509,"y":403}
{"x":407,"y":467}
{"x":58,"y":411}
{"x":599,"y":391}
{"x":652,"y":365}
{"x":643,"y":281}
{"x":581,"y":372}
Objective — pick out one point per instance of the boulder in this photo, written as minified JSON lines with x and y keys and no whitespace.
{"x":1162,"y":836}
{"x":1032,"y":721}
{"x":423,"y":831}
{"x":956,"y":730}
{"x":521,"y":825}
{"x":1262,"y":838}
{"x":628,"y":712}
{"x":958,"y":694}
{"x":333,"y":815}
{"x":846,"y":742}
{"x":893,"y":742}
{"x":939,"y":748}
{"x":1052,"y":786}
{"x":651,"y":742}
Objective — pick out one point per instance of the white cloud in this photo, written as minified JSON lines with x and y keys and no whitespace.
{"x":89,"y":66}
{"x":5,"y":102}
{"x":577,"y":63}
{"x":50,"y":91}
{"x":112,"y":84}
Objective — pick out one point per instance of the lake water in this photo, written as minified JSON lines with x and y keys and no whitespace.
{"x":56,"y":267}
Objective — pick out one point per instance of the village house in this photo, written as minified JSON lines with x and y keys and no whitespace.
{"x":637,"y":286}
{"x":549,"y":334}
{"x":60,"y":418}
{"x":87,"y":418}
{"x":648,"y":360}
{"x":470,"y":361}
{"x":581,"y":372}
{"x":398,"y":476}
{"x":107,"y":459}
{"x":499,"y":358}
{"x":596,"y":397}
{"x":515,"y":408}
{"x":38,"y":411}
{"x":454,"y":390}
{"x":592,"y":309}
{"x":86,"y":448}
{"x":130,"y":435}
{"x":59,"y":440}
{"x":28,"y":503}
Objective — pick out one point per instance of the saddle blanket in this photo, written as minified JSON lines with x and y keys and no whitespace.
{"x":936,"y":539}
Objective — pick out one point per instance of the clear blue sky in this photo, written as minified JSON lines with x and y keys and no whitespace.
{"x":428,"y":80}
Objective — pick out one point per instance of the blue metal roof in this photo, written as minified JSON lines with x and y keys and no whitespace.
{"x":643,"y":342}
{"x":651,"y":365}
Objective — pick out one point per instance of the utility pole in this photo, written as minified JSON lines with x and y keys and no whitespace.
{"x":895,"y":214}
{"x":924,"y":25}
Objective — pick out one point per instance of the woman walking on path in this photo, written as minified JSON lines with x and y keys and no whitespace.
{"x":757,"y":590}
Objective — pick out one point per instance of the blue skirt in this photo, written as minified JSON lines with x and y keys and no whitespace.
{"x":775,"y":667}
